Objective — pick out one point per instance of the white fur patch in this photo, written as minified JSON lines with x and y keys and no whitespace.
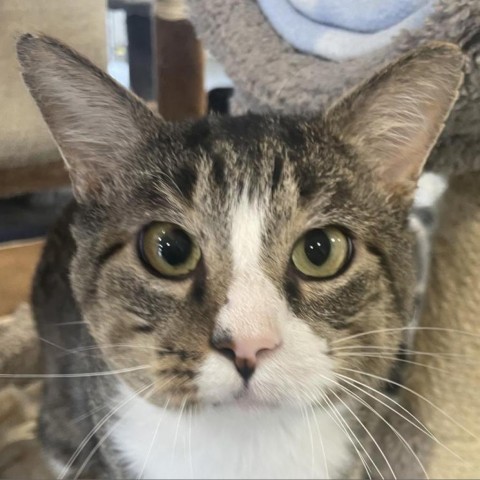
{"x":228,"y":442}
{"x":246,"y":234}
{"x":254,"y":306}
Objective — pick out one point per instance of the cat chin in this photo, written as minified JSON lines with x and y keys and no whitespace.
{"x":257,"y":399}
{"x":247,"y":400}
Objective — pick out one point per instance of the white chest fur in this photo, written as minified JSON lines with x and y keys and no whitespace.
{"x":228,"y":442}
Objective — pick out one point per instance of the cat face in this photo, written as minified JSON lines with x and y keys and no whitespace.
{"x":247,"y":192}
{"x":242,"y":259}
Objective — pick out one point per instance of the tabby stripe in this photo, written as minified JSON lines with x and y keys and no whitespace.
{"x":386,"y":266}
{"x":108,"y":253}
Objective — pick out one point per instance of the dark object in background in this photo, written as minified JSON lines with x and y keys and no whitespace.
{"x":140,"y":46}
{"x":31,"y":215}
{"x":140,"y":57}
{"x":166,"y":61}
{"x":180,"y":70}
{"x":219,"y":100}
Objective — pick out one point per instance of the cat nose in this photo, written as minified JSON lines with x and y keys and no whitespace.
{"x":244,"y":353}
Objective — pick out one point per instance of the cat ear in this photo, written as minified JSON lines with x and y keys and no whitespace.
{"x":394,"y":119}
{"x":96,"y":123}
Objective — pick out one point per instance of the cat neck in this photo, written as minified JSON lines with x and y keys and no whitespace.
{"x":228,"y":442}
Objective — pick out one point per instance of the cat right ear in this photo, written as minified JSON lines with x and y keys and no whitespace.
{"x":394,"y":119}
{"x":96,"y":123}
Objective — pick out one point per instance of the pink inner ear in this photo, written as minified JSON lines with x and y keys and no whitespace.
{"x":394,"y":119}
{"x":407,"y":158}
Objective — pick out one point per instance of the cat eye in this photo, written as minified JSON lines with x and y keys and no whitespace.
{"x":322,"y":253}
{"x":168,"y":249}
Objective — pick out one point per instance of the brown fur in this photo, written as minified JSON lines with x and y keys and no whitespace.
{"x":129,"y":168}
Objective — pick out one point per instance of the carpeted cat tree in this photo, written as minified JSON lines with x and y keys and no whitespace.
{"x":270,"y":74}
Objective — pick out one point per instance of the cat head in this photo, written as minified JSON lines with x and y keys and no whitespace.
{"x":244,"y":260}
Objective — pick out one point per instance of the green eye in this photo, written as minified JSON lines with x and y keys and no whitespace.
{"x":322,"y":253}
{"x":168,"y":250}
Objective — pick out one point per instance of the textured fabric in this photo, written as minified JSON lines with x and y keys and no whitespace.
{"x":450,"y":378}
{"x":330,"y":42}
{"x":358,"y":15}
{"x":24,"y":138}
{"x":22,"y":456}
{"x":269,"y":74}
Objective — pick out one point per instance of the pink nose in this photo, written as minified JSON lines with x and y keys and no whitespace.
{"x":245,"y":352}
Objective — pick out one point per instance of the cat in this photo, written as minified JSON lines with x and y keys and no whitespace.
{"x":205,"y":302}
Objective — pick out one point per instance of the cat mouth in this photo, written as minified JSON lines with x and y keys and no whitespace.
{"x":247,"y":399}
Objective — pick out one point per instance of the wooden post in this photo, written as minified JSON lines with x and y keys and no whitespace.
{"x":180,"y":70}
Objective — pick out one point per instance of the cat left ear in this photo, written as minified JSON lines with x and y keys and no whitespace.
{"x":96,"y":123}
{"x":394,"y":119}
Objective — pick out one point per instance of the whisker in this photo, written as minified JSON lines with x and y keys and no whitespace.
{"x":61,"y":324}
{"x":89,"y":414}
{"x":121,"y":345}
{"x":48,"y":342}
{"x":177,"y":429}
{"x":344,"y":430}
{"x":367,"y":432}
{"x":381,"y":348}
{"x":345,"y":423}
{"x":190,"y":455}
{"x":149,"y":452}
{"x":399,"y":329}
{"x":97,"y":427}
{"x":74,"y":375}
{"x":352,"y":382}
{"x":94,"y":450}
{"x":421,"y":426}
{"x":394,"y":430}
{"x":105,"y":436}
{"x":320,"y":437}
{"x":312,"y":448}
{"x":404,"y":387}
{"x":387,"y":357}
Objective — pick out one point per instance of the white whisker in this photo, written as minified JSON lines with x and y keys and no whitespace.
{"x":74,"y":375}
{"x":396,"y":359}
{"x":155,"y":434}
{"x":80,"y":322}
{"x":380,"y":348}
{"x":394,"y":430}
{"x":48,"y":342}
{"x":367,"y":432}
{"x":97,"y":427}
{"x":312,"y":448}
{"x":175,"y":439}
{"x":89,"y":414}
{"x":399,"y":329}
{"x":320,"y":437}
{"x":190,"y":454}
{"x":352,"y":433}
{"x":352,"y":382}
{"x":104,"y":438}
{"x":404,"y":387}
{"x":421,"y":426}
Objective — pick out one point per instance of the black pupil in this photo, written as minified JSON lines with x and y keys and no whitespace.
{"x":317,"y":247}
{"x":174,"y":247}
